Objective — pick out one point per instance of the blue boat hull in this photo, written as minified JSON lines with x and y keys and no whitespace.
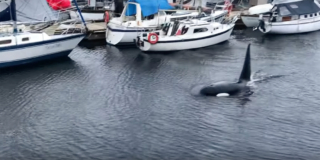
{"x":54,"y":56}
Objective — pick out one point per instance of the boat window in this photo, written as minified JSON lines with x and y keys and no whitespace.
{"x":305,"y":16}
{"x":294,"y":6}
{"x":25,"y":39}
{"x":284,"y":11}
{"x":310,"y":15}
{"x":315,"y":14}
{"x":5,"y":41}
{"x":199,"y":30}
{"x":288,"y":18}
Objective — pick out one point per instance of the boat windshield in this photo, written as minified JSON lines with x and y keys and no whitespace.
{"x":284,"y":1}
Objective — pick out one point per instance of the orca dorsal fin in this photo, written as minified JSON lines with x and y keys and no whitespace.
{"x":246,"y":70}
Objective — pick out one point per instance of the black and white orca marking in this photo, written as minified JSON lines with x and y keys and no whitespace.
{"x":222,"y":89}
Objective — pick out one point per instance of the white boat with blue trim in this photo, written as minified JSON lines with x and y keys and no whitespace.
{"x":186,"y":34}
{"x":20,"y":47}
{"x":143,"y":16}
{"x":290,"y":17}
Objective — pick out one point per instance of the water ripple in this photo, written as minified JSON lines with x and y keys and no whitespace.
{"x":119,"y":103}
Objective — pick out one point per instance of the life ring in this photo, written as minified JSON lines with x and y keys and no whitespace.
{"x":155,"y":39}
{"x":106,"y":17}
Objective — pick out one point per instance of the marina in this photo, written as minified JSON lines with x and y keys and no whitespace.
{"x":194,"y":87}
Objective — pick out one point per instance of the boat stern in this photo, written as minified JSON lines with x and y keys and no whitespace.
{"x":265,"y":27}
{"x":112,"y":36}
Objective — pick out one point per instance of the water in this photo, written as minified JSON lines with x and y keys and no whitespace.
{"x":110,"y":103}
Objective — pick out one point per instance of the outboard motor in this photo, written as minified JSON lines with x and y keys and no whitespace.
{"x":261,"y":25}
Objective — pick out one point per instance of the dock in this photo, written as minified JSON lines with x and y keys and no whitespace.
{"x":96,"y":31}
{"x":239,"y":23}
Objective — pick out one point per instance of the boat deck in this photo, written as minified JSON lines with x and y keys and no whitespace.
{"x":96,"y":31}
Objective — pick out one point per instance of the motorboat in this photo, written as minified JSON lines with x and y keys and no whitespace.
{"x":251,"y":18}
{"x":292,"y":17}
{"x":186,"y":34}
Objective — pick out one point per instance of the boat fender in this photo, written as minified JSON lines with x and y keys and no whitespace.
{"x":106,"y":17}
{"x":154,"y":37}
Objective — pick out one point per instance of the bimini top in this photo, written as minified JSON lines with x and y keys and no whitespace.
{"x":296,"y":8}
{"x":148,"y":7}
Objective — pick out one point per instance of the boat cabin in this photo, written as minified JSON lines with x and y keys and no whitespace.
{"x":187,"y":27}
{"x":136,"y":11}
{"x":21,"y":38}
{"x":294,"y":10}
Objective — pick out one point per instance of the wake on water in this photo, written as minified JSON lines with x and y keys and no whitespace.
{"x":259,"y":76}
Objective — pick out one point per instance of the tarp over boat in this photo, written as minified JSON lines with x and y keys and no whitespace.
{"x":5,"y":11}
{"x":297,"y":8}
{"x":148,"y":7}
{"x":28,"y":11}
{"x":34,"y":10}
{"x":59,"y":4}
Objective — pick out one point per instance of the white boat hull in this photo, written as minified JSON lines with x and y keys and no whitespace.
{"x":56,"y":46}
{"x":184,"y":44}
{"x":118,"y":35}
{"x":292,"y":27}
{"x":250,"y":21}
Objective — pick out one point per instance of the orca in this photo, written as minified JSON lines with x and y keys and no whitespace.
{"x":222,"y":89}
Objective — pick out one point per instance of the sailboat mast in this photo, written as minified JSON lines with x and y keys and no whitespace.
{"x":84,"y":22}
{"x":14,"y":15}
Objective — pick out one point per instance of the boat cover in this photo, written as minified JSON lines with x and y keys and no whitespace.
{"x":148,"y":7}
{"x":28,"y":11}
{"x":297,"y":8}
{"x":259,"y":9}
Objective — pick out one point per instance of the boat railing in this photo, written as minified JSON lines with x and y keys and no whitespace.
{"x":230,"y":20}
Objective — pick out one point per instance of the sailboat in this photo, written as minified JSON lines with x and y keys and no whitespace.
{"x":19,"y":47}
{"x":186,"y":34}
{"x":143,"y":16}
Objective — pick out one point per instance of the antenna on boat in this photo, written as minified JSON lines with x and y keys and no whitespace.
{"x":84,"y":23}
